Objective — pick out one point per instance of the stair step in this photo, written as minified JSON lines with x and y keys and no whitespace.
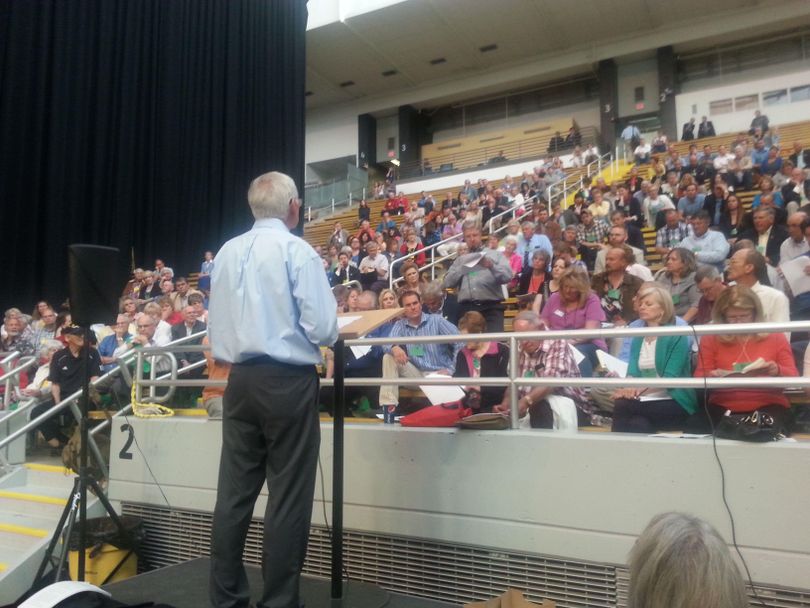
{"x":49,"y":476}
{"x":33,"y":501}
{"x":26,"y":524}
{"x":13,"y":543}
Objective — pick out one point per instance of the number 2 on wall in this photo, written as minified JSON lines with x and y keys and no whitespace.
{"x":125,"y":454}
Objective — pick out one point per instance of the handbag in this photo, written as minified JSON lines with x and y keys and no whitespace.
{"x":756,"y":426}
{"x":442,"y":415}
{"x":485,"y":421}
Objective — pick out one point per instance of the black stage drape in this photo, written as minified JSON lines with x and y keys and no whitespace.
{"x":139,"y":124}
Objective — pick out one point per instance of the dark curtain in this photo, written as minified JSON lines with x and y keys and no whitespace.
{"x":139,"y":124}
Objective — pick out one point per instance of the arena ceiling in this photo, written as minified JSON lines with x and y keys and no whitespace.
{"x":422,"y":42}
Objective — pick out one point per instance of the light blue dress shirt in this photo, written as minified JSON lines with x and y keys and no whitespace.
{"x":538,"y":241}
{"x":270,"y":296}
{"x":711,"y":248}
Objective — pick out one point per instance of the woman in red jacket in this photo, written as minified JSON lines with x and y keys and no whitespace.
{"x":721,"y":355}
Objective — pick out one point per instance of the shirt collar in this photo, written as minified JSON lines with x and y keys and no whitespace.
{"x":271,"y":222}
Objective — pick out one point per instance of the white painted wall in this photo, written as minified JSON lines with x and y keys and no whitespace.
{"x":452,"y":181}
{"x":696,"y":97}
{"x":581,"y":496}
{"x":642,"y":73}
{"x":586,"y":114}
{"x":330,"y":136}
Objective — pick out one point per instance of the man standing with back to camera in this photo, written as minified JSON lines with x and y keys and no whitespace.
{"x":267,"y":318}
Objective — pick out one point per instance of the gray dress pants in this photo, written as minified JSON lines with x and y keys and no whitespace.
{"x":270,"y":431}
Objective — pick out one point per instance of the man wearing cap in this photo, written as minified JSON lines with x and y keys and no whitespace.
{"x":66,"y":365}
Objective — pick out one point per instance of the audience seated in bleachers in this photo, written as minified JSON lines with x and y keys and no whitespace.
{"x":702,"y":220}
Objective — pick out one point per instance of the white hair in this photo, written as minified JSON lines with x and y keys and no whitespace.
{"x":270,"y":194}
{"x":680,"y":561}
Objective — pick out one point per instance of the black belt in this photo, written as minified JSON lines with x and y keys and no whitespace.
{"x":268,"y":360}
{"x":481,"y":303}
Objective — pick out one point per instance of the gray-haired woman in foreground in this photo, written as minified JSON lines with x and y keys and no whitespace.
{"x":680,"y":561}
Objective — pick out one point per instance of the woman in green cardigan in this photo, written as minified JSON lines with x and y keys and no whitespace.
{"x":640,"y":410}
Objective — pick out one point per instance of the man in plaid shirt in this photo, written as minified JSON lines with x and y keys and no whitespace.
{"x":672,"y":233}
{"x":544,"y":359}
{"x":591,"y":234}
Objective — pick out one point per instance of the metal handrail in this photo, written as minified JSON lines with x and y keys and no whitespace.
{"x":70,"y":401}
{"x":9,"y":356}
{"x":607,"y":157}
{"x":402,"y":260}
{"x":514,"y":382}
{"x":127,"y":409}
{"x":23,"y":364}
{"x":431,"y":266}
{"x":513,"y":209}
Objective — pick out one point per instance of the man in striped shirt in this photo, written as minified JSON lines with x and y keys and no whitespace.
{"x":416,"y":360}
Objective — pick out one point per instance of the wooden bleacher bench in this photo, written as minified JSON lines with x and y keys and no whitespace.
{"x":474,"y":150}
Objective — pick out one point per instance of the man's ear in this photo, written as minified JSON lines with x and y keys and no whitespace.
{"x":293,"y":213}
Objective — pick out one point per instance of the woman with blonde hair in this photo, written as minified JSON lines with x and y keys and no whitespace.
{"x":730,"y":354}
{"x":680,"y":561}
{"x":388,"y":299}
{"x":646,"y":410}
{"x":576,"y":306}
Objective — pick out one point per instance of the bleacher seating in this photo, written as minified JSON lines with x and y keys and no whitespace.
{"x":318,"y":231}
{"x":788,"y":133}
{"x":480,"y":149}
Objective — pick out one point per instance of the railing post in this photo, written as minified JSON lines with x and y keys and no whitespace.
{"x":364,"y":193}
{"x":514,"y":413}
{"x":136,"y":376}
{"x":333,"y":205}
{"x":309,"y":213}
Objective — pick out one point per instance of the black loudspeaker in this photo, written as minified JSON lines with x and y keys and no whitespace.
{"x":94,"y":273}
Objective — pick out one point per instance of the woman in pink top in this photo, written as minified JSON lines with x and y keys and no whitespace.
{"x":576,"y":306}
{"x":515,"y":261}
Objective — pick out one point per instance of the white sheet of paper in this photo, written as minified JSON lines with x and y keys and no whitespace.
{"x":652,"y":398}
{"x":612,"y":364}
{"x":578,"y":356}
{"x":53,"y":594}
{"x":441,"y":394}
{"x":793,"y":271}
{"x":360,"y":351}
{"x":474,"y":259}
{"x":344,"y":321}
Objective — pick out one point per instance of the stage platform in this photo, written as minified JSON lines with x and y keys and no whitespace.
{"x":186,"y":586}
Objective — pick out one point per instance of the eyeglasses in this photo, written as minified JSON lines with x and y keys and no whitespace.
{"x":748,"y":316}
